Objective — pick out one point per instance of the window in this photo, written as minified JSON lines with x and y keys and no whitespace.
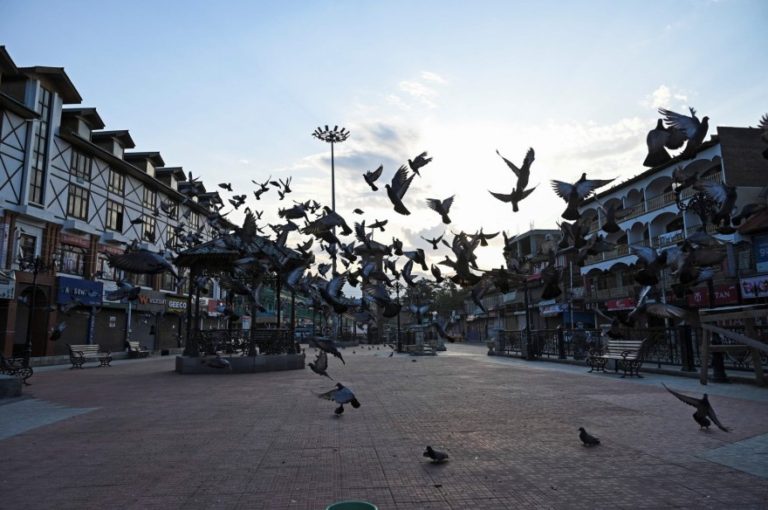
{"x":114,"y":216}
{"x":144,"y":280}
{"x":77,"y":202}
{"x":172,"y":239}
{"x":150,"y":199}
{"x":168,"y":282}
{"x":71,"y":259}
{"x":80,"y":166}
{"x":107,"y":271}
{"x":116,"y":182}
{"x":40,"y":147}
{"x":27,"y":247}
{"x":149,"y":231}
{"x":194,"y":221}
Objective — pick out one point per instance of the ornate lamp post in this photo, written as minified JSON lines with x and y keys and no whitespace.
{"x":35,"y":265}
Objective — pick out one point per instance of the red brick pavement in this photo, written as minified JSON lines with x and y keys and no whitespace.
{"x":265,"y":441}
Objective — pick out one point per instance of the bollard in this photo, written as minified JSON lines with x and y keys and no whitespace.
{"x":686,"y":349}
{"x":718,"y":363}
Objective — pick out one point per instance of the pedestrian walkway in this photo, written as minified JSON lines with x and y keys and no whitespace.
{"x":141,"y":436}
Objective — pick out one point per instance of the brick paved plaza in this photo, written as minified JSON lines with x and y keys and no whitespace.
{"x":138,"y":435}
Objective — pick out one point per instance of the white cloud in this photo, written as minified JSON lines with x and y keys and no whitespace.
{"x":430,"y":76}
{"x":420,"y":92}
{"x":665,"y":97}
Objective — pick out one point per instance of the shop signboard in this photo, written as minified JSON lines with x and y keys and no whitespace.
{"x":175,"y":304}
{"x":151,"y":301}
{"x":626,"y":303}
{"x":213,"y":304}
{"x":87,"y":292}
{"x":754,"y":287}
{"x":760,"y":244}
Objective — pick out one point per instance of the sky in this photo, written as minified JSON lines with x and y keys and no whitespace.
{"x":232,"y":90}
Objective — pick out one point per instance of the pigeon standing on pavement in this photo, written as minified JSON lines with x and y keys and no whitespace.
{"x":704,"y":411}
{"x":587,"y":439}
{"x":341,"y":395}
{"x":436,"y":456}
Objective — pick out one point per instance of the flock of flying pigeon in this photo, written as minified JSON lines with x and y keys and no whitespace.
{"x":693,"y":262}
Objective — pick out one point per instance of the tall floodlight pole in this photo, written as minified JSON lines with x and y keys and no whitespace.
{"x":332,"y":136}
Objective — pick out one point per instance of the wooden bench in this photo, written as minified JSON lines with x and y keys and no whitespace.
{"x":136,"y":350}
{"x":627,"y":353}
{"x":15,"y":367}
{"x":79,"y":354}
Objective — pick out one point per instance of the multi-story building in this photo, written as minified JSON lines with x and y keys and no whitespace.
{"x":70,"y":193}
{"x":508,"y":311}
{"x":648,"y":215}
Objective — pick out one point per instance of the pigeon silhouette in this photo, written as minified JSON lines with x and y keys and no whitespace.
{"x":587,"y":439}
{"x":435,"y":456}
{"x":574,"y":194}
{"x":320,"y":365}
{"x":694,"y":129}
{"x":441,"y":207}
{"x":418,"y":162}
{"x":704,"y":412}
{"x":372,"y":176}
{"x":397,"y":189}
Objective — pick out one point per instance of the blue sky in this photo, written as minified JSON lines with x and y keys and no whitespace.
{"x":232,"y":90}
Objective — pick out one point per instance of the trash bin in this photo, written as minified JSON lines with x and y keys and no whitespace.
{"x":352,"y":505}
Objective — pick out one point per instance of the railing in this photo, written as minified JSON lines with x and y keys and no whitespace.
{"x":660,"y":201}
{"x":662,"y":347}
{"x":245,"y":342}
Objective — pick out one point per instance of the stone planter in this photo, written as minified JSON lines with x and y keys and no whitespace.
{"x":242,"y":364}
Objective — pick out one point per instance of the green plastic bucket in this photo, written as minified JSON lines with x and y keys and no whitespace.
{"x":352,"y":505}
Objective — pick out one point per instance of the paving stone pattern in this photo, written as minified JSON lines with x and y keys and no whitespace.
{"x":141,"y":436}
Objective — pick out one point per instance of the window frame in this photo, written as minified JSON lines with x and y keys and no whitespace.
{"x":83,"y":195}
{"x":116,"y":182}
{"x":112,"y":211}
{"x":77,"y":160}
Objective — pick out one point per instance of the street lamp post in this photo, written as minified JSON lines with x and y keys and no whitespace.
{"x":397,"y":293}
{"x":332,"y":136}
{"x":36,"y":265}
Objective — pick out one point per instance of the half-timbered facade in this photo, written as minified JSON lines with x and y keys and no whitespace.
{"x":71,"y":192}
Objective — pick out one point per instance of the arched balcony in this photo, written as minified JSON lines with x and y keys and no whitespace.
{"x":666,"y":229}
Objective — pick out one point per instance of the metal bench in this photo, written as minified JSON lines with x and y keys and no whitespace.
{"x":79,"y":354}
{"x":15,"y":367}
{"x":626,"y":353}
{"x":136,"y":350}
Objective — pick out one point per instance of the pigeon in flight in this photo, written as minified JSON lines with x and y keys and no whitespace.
{"x":660,"y":138}
{"x":515,"y":197}
{"x":341,"y":395}
{"x":56,"y":333}
{"x":226,"y":185}
{"x":441,"y":207}
{"x":397,"y":189}
{"x":418,"y":162}
{"x":434,"y":242}
{"x":704,"y":412}
{"x":435,"y":456}
{"x":372,"y":176}
{"x":694,"y":129}
{"x":327,"y":345}
{"x":320,"y":365}
{"x":574,"y":194}
{"x":587,"y":439}
{"x":358,"y":211}
{"x":524,"y":172}
{"x":724,"y":195}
